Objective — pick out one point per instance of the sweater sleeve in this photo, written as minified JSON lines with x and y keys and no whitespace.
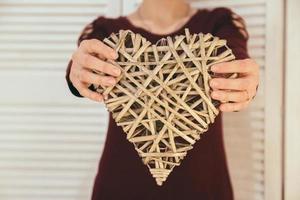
{"x":231,"y":27}
{"x":94,"y":30}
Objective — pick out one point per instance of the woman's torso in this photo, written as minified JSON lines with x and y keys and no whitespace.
{"x":203,"y":173}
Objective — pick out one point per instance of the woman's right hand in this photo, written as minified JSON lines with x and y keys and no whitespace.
{"x":91,"y":55}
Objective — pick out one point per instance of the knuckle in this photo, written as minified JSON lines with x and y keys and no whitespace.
{"x":247,"y":61}
{"x":93,"y":41}
{"x":246,"y":65}
{"x":252,"y":65}
{"x":252,"y":62}
{"x":84,"y":44}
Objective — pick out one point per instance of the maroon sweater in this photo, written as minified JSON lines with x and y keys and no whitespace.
{"x":203,"y":174}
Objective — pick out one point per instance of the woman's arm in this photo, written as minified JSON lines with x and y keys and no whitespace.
{"x":238,"y":92}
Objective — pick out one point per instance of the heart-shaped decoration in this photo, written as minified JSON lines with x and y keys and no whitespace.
{"x":162,"y":98}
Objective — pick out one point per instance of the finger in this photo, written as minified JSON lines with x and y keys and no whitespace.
{"x":230,"y":84}
{"x":94,"y":46}
{"x":231,"y":107}
{"x":226,"y":96}
{"x":84,"y":91}
{"x":237,"y":66}
{"x":92,"y":78}
{"x":92,"y":62}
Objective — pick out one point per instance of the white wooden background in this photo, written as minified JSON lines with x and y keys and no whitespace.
{"x":50,"y":141}
{"x":292,"y":106}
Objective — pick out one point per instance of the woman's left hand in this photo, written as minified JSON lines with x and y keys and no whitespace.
{"x":235,"y":94}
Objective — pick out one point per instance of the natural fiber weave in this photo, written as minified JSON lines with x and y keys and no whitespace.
{"x":162,"y":98}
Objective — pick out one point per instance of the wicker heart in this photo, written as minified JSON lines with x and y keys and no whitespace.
{"x":162,"y":99}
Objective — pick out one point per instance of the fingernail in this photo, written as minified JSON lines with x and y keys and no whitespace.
{"x":114,"y":55}
{"x":111,"y":81}
{"x":117,"y":71}
{"x":213,"y":83}
{"x":214,"y":68}
{"x":214,"y":94}
{"x":222,"y":108}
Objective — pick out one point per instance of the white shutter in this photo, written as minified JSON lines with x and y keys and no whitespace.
{"x":50,"y":141}
{"x":244,"y":132}
{"x":292,"y":99}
